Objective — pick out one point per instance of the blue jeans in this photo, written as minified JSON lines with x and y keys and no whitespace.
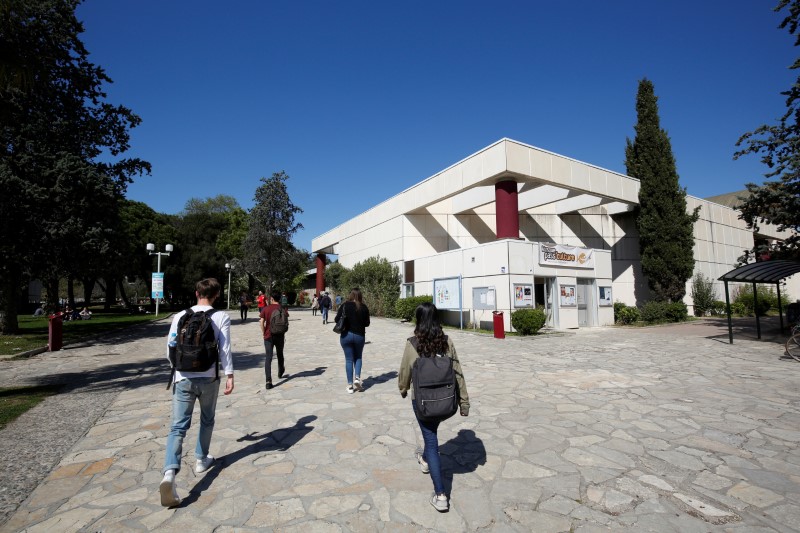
{"x":353,"y":346}
{"x":324,"y":314}
{"x":431,"y":451}
{"x":183,"y":397}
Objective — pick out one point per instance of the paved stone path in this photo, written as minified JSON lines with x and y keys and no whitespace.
{"x":606,"y":429}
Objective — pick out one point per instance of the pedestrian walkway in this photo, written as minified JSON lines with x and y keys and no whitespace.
{"x":610,"y":429}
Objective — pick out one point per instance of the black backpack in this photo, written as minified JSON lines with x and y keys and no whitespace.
{"x":435,"y":387}
{"x":278,"y":322}
{"x":196,"y":348}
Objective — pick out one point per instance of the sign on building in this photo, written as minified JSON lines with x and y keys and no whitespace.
{"x":566,"y":256}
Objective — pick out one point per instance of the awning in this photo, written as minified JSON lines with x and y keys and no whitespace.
{"x":763,"y":272}
{"x":759,"y":272}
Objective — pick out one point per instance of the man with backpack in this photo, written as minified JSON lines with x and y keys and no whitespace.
{"x":325,"y":305}
{"x":274,"y":320}
{"x":198,"y":342}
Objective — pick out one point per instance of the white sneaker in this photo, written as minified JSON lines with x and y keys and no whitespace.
{"x":440,"y":503}
{"x":203,"y":464}
{"x":357,"y":385}
{"x":350,"y":389}
{"x":169,"y":494}
{"x":423,"y":465}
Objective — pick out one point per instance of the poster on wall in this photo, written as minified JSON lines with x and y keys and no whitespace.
{"x":566,"y":256}
{"x":523,"y":295}
{"x":568,"y":296}
{"x":483,"y":298}
{"x":605,"y":297}
{"x":447,"y":293}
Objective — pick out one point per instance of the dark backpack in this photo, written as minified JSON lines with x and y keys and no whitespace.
{"x":196,"y":348}
{"x":435,"y":387}
{"x":278,"y":322}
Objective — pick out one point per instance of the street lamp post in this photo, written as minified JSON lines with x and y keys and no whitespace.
{"x":229,"y":267}
{"x":150,"y":248}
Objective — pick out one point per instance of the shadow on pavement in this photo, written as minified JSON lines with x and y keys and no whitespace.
{"x":462,"y":454}
{"x":377,"y":380}
{"x":276,"y":440}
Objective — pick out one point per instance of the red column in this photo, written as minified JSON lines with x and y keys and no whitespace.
{"x":320,"y":273}
{"x":507,"y":209}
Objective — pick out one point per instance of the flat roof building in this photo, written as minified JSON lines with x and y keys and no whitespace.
{"x":515,"y":226}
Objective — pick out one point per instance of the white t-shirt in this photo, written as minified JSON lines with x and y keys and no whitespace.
{"x":221,"y":324}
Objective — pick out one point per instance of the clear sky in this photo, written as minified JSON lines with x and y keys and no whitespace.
{"x":358,"y":100}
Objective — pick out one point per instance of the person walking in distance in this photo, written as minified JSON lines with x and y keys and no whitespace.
{"x":244,"y":306}
{"x":314,"y":305}
{"x":430,"y":341}
{"x":274,"y":320}
{"x":191,"y":387}
{"x":261,"y":301}
{"x":325,"y":305}
{"x":353,"y":337}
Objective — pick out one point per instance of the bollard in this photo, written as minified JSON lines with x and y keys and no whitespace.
{"x":499,"y":326}
{"x":55,"y":336}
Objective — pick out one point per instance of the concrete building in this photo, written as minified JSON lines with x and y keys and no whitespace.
{"x":515,"y":226}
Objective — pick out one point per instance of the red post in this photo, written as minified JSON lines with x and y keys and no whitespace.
{"x":499,"y":325}
{"x":320,"y":273}
{"x":55,"y":332}
{"x":506,"y":209}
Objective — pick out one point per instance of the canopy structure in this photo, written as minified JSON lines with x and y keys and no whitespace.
{"x":759,"y":272}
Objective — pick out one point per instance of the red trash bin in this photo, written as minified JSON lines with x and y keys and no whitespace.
{"x":499,"y":326}
{"x":55,"y":334}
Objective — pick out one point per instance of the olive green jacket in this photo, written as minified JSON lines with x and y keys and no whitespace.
{"x":404,"y":376}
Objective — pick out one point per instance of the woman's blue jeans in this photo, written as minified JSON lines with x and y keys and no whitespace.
{"x":353,"y":346}
{"x":431,"y":451}
{"x":183,"y":397}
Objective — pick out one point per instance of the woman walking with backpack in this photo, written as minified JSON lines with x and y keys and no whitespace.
{"x":429,"y":341}
{"x":353,"y":337}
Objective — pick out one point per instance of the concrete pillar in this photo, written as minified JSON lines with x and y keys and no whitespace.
{"x":507,"y":209}
{"x":320,"y":273}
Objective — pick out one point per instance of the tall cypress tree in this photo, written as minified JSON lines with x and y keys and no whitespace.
{"x":665,"y":229}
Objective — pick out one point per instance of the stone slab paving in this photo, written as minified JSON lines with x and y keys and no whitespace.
{"x":603,"y":430}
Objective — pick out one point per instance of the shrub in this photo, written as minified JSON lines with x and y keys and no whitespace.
{"x":404,"y":308}
{"x":626,"y":315}
{"x":719,"y":308}
{"x":676,"y":312}
{"x":767,"y":299}
{"x":703,"y":294}
{"x":379,"y":281}
{"x":738,"y":308}
{"x":618,"y":306}
{"x":528,"y":321}
{"x":654,"y":312}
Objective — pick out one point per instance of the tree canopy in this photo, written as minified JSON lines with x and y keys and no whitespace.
{"x":666,"y":238}
{"x":268,"y":250}
{"x":60,"y":141}
{"x":777,"y":200}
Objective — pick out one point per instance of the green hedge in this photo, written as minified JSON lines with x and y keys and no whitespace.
{"x":404,"y":308}
{"x":528,"y":321}
{"x":625,"y":314}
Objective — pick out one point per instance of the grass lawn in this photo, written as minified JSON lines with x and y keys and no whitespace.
{"x":34,"y":330}
{"x":15,"y":401}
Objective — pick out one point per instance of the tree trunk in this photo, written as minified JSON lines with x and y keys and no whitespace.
{"x":70,"y":292}
{"x":52,"y":293}
{"x":9,"y":294}
{"x":88,"y":289}
{"x":111,"y":293}
{"x":123,"y":294}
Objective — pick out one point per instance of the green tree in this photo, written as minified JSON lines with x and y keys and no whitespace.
{"x":268,"y":250}
{"x":336,"y":277}
{"x":379,"y":282}
{"x":55,"y":127}
{"x":777,"y":201}
{"x":665,"y":229}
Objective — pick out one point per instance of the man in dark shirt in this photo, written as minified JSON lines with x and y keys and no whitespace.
{"x":272,"y":339}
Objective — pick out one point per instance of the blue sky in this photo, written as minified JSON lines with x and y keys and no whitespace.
{"x":358,"y":100}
